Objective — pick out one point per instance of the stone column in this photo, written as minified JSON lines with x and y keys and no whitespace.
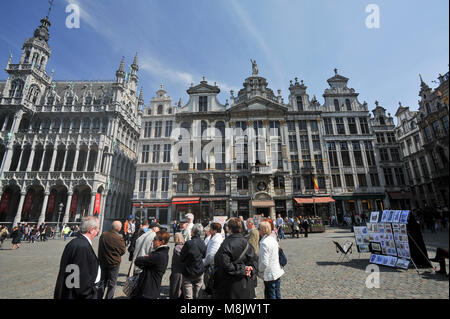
{"x":66,"y":154}
{"x":102,"y":210}
{"x":87,"y":160}
{"x":68,"y":204}
{"x":55,"y":153}
{"x":75,"y":159}
{"x":5,"y":123}
{"x":6,"y":163}
{"x":44,"y":208}
{"x":16,"y":122}
{"x":31,"y":159}
{"x":18,"y":216}
{"x":91,"y":206}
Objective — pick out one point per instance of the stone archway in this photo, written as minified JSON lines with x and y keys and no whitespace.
{"x":9,"y":203}
{"x":83,"y":201}
{"x":33,"y":204}
{"x":58,"y":195}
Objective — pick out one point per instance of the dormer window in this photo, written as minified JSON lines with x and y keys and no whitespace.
{"x":203,"y":104}
{"x":160,"y":109}
{"x":347,"y":103}
{"x":300,"y":103}
{"x":382,"y":121}
{"x":69,"y":100}
{"x":336,"y":105}
{"x":89,"y":100}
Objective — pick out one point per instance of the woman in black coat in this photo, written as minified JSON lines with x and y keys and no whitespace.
{"x":16,"y":236}
{"x":154,"y":266}
{"x":232,"y":279}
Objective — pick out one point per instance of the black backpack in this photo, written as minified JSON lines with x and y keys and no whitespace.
{"x":282,"y":257}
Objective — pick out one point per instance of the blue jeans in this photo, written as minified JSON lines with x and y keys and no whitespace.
{"x":281,"y":232}
{"x":272,"y":289}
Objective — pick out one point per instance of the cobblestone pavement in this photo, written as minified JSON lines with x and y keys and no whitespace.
{"x":312,"y":271}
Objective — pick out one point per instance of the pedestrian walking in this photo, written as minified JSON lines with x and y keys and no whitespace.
{"x":296,"y":228}
{"x":305,"y":225}
{"x":66,"y":231}
{"x":176,"y":276}
{"x":34,"y":234}
{"x":126,"y":226}
{"x":280,"y":227}
{"x":16,"y":236}
{"x":269,"y":268}
{"x":153,"y":268}
{"x":192,"y":254}
{"x":211,"y":249}
{"x":133,"y":239}
{"x":111,"y":248}
{"x":235,"y":263}
{"x":79,"y":257}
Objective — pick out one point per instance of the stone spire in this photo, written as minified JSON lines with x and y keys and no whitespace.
{"x":135,"y":65}
{"x":121,"y":71}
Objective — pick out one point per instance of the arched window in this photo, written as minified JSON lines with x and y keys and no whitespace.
{"x":88,"y":100}
{"x":160,"y":109}
{"x":50,"y":100}
{"x":169,"y":110}
{"x":201,"y":185}
{"x":182,"y":186}
{"x":413,"y":125}
{"x":16,"y":88}
{"x":405,"y":126}
{"x":86,"y":125}
{"x":348,"y":105}
{"x":300,"y":103}
{"x":33,"y":94}
{"x":336,"y":105}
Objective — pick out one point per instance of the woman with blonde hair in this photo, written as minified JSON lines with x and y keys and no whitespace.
{"x":269,"y":268}
{"x":176,"y":278}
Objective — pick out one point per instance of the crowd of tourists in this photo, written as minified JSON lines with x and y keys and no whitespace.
{"x":30,"y":233}
{"x":212,"y":262}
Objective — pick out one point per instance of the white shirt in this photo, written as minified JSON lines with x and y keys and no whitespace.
{"x":269,"y":265}
{"x":213,"y":246}
{"x":99,"y":273}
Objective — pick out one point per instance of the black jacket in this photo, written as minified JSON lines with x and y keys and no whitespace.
{"x":230,"y":280}
{"x":154,"y":266}
{"x":191,"y":256}
{"x":77,"y":252}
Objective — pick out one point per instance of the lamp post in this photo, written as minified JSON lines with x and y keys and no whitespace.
{"x":61,"y":207}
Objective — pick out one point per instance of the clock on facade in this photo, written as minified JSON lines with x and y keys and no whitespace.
{"x":261,"y":186}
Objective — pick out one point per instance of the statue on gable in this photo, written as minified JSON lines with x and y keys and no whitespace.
{"x":254,"y":67}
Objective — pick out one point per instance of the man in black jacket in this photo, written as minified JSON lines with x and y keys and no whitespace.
{"x":192,"y":254}
{"x":79,"y":273}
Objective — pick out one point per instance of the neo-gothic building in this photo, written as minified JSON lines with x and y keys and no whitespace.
{"x":67,"y":148}
{"x":260,"y":155}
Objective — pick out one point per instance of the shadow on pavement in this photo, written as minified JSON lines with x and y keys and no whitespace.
{"x":360,"y":264}
{"x":434,"y":276}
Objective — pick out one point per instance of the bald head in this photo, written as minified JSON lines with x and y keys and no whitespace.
{"x":116,"y":225}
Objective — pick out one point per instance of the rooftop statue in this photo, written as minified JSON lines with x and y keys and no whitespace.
{"x":254,"y":67}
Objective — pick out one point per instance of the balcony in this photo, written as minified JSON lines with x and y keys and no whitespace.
{"x":261,"y":169}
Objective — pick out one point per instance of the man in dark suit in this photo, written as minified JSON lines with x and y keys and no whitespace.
{"x":79,"y":273}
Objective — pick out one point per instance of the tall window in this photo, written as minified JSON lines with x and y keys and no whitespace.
{"x":336,"y":105}
{"x":380,"y":138}
{"x":242,"y":183}
{"x":300,"y":103}
{"x":316,"y":143}
{"x":148,"y":129}
{"x":313,"y":125}
{"x":390,"y":138}
{"x":203,"y":104}
{"x":277,"y":155}
{"x":332,"y":154}
{"x":362,"y":181}
{"x":296,"y":181}
{"x":427,"y":131}
{"x":168,"y":128}
{"x":352,"y":125}
{"x":302,"y":125}
{"x":349,"y":181}
{"x":154,"y":181}
{"x":295,"y":164}
{"x":304,"y":143}
{"x":293,"y":143}
{"x":182,"y":186}
{"x":291,"y":126}
{"x":345,"y":154}
{"x":167,"y":149}
{"x":142,"y":181}
{"x":388,"y":176}
{"x":319,"y":162}
{"x":357,"y":153}
{"x":156,"y":151}
{"x":165,"y":181}
{"x":275,"y":128}
{"x":220,"y":184}
{"x":445,"y":123}
{"x":363,"y":125}
{"x":340,"y":126}
{"x":260,"y":143}
{"x":241,"y":127}
{"x":328,"y":126}
{"x":241,"y":155}
{"x":395,"y":154}
{"x":374,"y":179}
{"x":348,"y":105}
{"x":423,"y":164}
{"x":159,"y":110}
{"x":336,"y":180}
{"x":399,"y":176}
{"x":384,"y":155}
{"x":306,"y":161}
{"x":370,"y":155}
{"x":278,"y":182}
{"x":158,"y":128}
{"x":203,"y":128}
{"x":145,"y":153}
{"x":201,"y":185}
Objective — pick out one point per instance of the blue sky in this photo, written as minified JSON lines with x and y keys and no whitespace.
{"x":178,"y":42}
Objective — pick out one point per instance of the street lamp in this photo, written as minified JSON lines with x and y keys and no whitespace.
{"x":61,"y":207}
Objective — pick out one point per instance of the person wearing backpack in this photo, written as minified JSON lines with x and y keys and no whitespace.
{"x":269,"y":268}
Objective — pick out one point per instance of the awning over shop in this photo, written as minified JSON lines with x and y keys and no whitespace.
{"x":186,"y":200}
{"x":151,"y":205}
{"x":399,"y":195}
{"x":263,"y":203}
{"x":312,"y":200}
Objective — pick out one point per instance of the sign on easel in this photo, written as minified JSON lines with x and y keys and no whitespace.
{"x":388,"y":238}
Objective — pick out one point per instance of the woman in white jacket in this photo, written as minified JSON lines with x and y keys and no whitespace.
{"x":213,"y":244}
{"x":269,"y":268}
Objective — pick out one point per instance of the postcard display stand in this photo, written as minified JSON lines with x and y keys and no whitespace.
{"x":386,"y":237}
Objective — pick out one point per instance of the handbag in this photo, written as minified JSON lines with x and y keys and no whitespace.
{"x":209,"y":279}
{"x":282,"y":257}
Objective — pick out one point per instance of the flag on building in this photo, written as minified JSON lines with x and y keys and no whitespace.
{"x":316,"y":186}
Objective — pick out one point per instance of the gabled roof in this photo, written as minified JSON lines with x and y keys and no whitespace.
{"x":246,"y":105}
{"x":203,"y":87}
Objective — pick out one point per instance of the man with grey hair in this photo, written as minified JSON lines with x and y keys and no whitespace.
{"x":110,"y":249}
{"x":144,"y":244}
{"x":191,"y":256}
{"x":79,"y":272}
